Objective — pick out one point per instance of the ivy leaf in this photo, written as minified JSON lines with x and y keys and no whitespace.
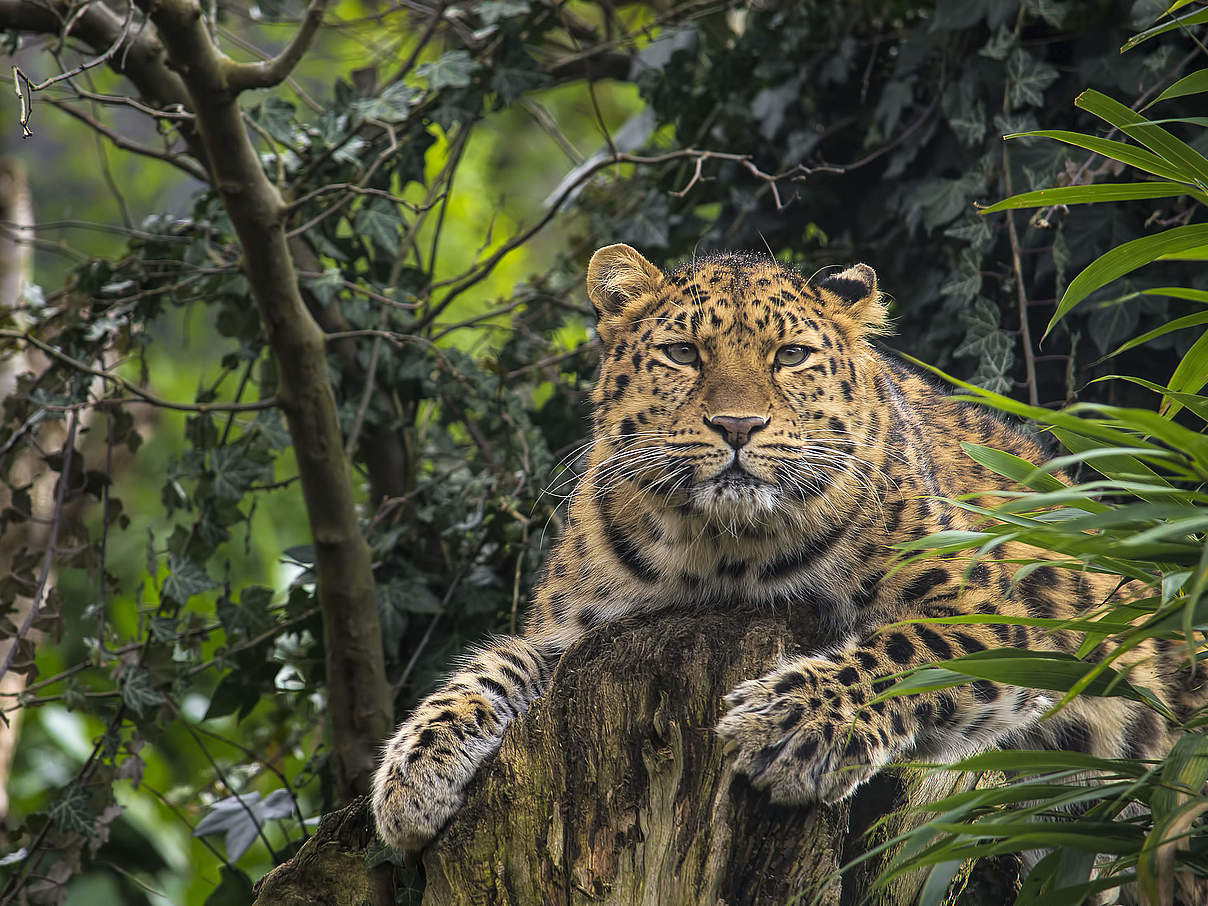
{"x":965,"y":280}
{"x":1112,"y":323}
{"x":983,"y":322}
{"x":392,"y":106}
{"x":495,"y":11}
{"x":233,"y":472}
{"x":136,"y":690}
{"x":233,"y":693}
{"x":241,"y":817}
{"x":1052,"y":11}
{"x":455,"y":69}
{"x":380,"y":222}
{"x":510,"y":82}
{"x":326,"y":285}
{"x":185,"y":579}
{"x":994,"y":367}
{"x":999,"y":45}
{"x":1027,"y":78}
{"x":276,"y":117}
{"x":269,"y":423}
{"x":408,"y":596}
{"x":250,"y":616}
{"x":966,"y":114}
{"x":71,"y":812}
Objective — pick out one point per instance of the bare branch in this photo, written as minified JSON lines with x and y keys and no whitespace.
{"x":460,"y":284}
{"x":125,"y":144}
{"x":142,"y":58}
{"x":142,"y":395}
{"x":242,"y":76}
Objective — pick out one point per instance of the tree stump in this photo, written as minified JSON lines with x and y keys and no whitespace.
{"x":614,"y":789}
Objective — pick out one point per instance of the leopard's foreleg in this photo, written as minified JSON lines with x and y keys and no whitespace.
{"x":436,"y":751}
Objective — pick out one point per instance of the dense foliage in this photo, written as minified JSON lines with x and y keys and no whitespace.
{"x":445,"y":179}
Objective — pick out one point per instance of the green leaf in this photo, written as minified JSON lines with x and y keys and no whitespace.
{"x":185,"y":579}
{"x":1027,"y":79}
{"x":1109,"y":322}
{"x":233,"y":472}
{"x":381,"y":223}
{"x":1044,"y":670}
{"x":1011,"y":466}
{"x":1190,"y":374}
{"x":233,"y":693}
{"x":1194,"y":18}
{"x":1177,"y":324}
{"x":136,"y":689}
{"x":1122,"y":260}
{"x":455,"y":69}
{"x":393,"y":105}
{"x":494,"y":11}
{"x":72,"y":813}
{"x":939,"y":879}
{"x":1116,"y":191}
{"x":1192,"y":166}
{"x":276,"y":117}
{"x":1178,"y":292}
{"x":1121,"y":151}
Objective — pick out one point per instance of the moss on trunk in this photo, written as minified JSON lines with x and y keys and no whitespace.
{"x":614,"y":788}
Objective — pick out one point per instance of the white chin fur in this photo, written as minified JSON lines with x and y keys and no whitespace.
{"x":727,"y":501}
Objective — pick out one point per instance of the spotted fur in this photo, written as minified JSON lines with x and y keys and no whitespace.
{"x":750,"y":444}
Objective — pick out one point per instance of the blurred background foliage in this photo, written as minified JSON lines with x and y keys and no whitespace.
{"x":450,"y":167}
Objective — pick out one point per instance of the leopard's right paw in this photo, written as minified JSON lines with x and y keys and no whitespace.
{"x":426,"y":767}
{"x":411,"y":803}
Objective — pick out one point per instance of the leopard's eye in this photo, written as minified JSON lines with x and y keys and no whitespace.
{"x":791,"y":355}
{"x":681,"y":353}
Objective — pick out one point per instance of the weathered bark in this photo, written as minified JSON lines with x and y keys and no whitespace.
{"x":16,"y":210}
{"x":614,"y":789}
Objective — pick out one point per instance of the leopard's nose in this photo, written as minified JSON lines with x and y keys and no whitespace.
{"x":736,"y":429}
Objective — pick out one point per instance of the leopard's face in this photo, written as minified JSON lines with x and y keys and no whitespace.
{"x":733,"y":388}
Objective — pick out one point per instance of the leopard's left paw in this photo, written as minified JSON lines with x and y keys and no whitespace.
{"x":803,"y":732}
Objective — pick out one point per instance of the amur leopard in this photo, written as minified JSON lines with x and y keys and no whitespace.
{"x":752,"y":445}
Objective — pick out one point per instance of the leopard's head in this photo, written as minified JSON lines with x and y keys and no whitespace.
{"x":733,"y":387}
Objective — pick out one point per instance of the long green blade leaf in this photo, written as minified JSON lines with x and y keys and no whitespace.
{"x":1091,"y":194}
{"x":1122,"y":260}
{"x":1189,"y":84}
{"x":1182,"y":22}
{"x":1178,"y":292}
{"x":1121,"y":151}
{"x":1192,"y":165}
{"x":1177,"y":324}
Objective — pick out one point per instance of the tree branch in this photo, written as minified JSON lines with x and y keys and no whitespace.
{"x":129,"y":386}
{"x":359,"y":703}
{"x":143,"y":59}
{"x":266,"y":74}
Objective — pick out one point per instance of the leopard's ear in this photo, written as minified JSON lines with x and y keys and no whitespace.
{"x":855,"y":289}
{"x":616,"y":276}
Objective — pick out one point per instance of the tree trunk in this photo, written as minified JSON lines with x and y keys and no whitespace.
{"x":614,"y":788}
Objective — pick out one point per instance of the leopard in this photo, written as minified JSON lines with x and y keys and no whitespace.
{"x":753,"y":443}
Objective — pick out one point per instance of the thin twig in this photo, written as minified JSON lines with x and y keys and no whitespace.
{"x":255,"y":819}
{"x":552,"y":360}
{"x":462,"y":283}
{"x":181,"y":163}
{"x":143,"y":396}
{"x":429,"y":29}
